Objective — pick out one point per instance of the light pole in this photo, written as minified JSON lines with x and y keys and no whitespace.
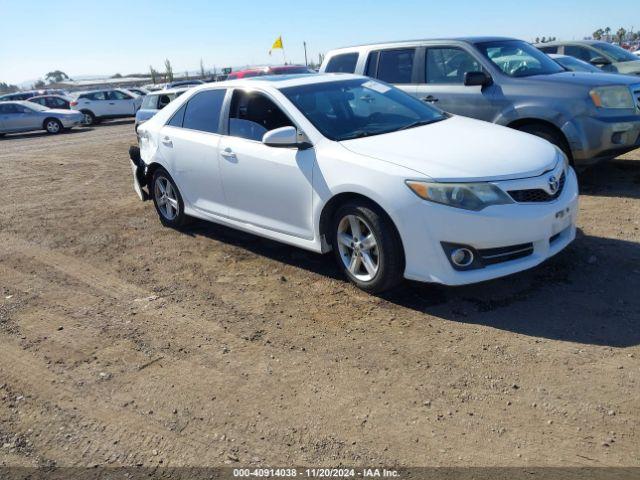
{"x":305,"y":54}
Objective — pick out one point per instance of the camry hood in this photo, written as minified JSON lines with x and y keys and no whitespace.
{"x":461,"y":149}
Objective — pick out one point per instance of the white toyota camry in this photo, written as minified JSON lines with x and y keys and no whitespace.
{"x":395,"y":187}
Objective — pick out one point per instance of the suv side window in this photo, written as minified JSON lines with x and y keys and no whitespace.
{"x":395,"y":66}
{"x":447,"y":65}
{"x":548,"y":49}
{"x":582,"y":53}
{"x":344,"y":63}
{"x":149,"y":102}
{"x":118,"y":95}
{"x":203,"y":111}
{"x":97,"y":96}
{"x":253,"y":114}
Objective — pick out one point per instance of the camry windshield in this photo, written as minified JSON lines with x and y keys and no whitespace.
{"x":518,"y":59}
{"x":618,"y":54}
{"x":347,"y":109}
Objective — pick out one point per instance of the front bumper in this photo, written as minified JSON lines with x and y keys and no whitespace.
{"x":424,"y":226}
{"x":603,"y":138}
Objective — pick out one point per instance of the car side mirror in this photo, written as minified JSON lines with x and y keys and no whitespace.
{"x":599,"y":61}
{"x":281,"y":137}
{"x":477,"y":79}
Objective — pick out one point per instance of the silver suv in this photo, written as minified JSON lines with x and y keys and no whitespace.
{"x":590,"y":116}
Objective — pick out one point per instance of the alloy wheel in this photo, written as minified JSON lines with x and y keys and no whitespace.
{"x":53,"y":126}
{"x":166,"y":198}
{"x":358,"y":247}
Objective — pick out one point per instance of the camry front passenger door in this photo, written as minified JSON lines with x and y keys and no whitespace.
{"x":269,"y":187}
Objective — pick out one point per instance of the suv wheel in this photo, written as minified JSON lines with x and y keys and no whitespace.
{"x":167,"y":200}
{"x":89,"y":117}
{"x":367,"y":247}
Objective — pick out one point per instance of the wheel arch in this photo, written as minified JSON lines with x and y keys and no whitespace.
{"x":332,"y":205}
{"x":521,"y":122}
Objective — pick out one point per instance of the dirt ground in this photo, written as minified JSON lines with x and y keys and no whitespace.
{"x":125,"y":343}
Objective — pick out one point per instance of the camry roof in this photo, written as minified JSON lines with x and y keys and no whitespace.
{"x":284,"y":81}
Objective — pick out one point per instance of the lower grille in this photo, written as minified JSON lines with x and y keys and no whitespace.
{"x":537,"y":195}
{"x":491,"y":256}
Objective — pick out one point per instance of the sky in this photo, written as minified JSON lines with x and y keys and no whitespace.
{"x":85,"y":37}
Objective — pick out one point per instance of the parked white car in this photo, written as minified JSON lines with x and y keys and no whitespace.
{"x":395,"y":187}
{"x":97,"y":105}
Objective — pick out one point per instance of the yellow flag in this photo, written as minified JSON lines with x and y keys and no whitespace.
{"x":277,"y":44}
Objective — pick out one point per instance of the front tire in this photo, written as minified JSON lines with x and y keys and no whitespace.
{"x":53,"y":126}
{"x":367,"y":247}
{"x":167,"y":200}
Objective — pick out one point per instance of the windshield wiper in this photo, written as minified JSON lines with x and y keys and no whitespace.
{"x":420,"y":123}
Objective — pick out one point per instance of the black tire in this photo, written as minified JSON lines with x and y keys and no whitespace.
{"x":89,"y":117}
{"x":180,"y":219}
{"x":549,"y":134}
{"x":53,"y":126}
{"x":389,"y":251}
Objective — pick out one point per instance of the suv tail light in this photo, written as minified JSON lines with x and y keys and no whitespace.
{"x":73,"y":103}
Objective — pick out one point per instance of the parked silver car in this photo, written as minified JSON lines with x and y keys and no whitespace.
{"x":606,"y":56}
{"x":23,"y":116}
{"x":590,"y":116}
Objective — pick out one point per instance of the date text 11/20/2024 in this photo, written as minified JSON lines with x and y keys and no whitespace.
{"x":316,"y":472}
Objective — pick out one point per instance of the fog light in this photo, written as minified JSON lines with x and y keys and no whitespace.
{"x":462,"y":257}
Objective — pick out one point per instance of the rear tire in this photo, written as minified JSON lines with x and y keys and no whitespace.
{"x":167,"y":200}
{"x":89,"y":117}
{"x":549,"y":134}
{"x":53,"y":126}
{"x":367,"y":247}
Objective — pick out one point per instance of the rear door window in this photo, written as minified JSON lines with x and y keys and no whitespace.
{"x":395,"y":66}
{"x":203,"y":111}
{"x":97,"y":96}
{"x":178,"y":117}
{"x":343,"y":63}
{"x":118,"y":95}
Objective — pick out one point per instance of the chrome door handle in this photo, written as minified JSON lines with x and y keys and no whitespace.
{"x":111,"y":103}
{"x":167,"y":141}
{"x":228,"y":153}
{"x":429,"y":99}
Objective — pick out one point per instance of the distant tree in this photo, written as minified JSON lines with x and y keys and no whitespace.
{"x":537,"y":39}
{"x":168,"y":71}
{"x":621,"y":35}
{"x":635,"y":36}
{"x":607,"y":32}
{"x":186,"y":73}
{"x":597,"y":35}
{"x":544,"y":40}
{"x":8,"y":88}
{"x":56,"y":76}
{"x":202,"y":72}
{"x":39,"y":85}
{"x":117,"y":75}
{"x":154,"y":74}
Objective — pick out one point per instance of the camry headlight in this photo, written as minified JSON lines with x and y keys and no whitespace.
{"x":612,"y":97}
{"x":470,"y":196}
